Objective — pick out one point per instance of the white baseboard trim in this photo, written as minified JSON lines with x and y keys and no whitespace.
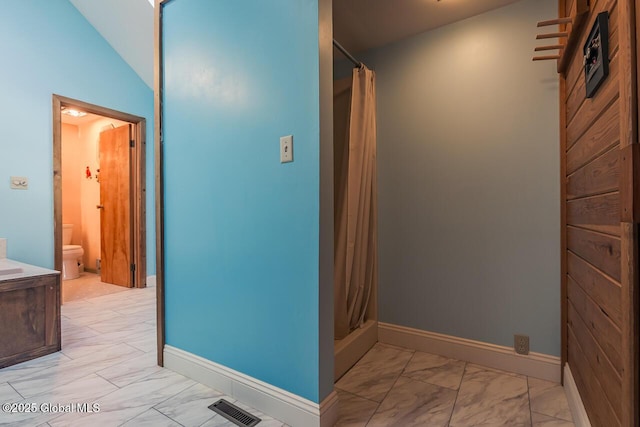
{"x":536,"y":365}
{"x":580,"y":418}
{"x":273,"y":401}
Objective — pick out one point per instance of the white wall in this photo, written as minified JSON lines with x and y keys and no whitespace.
{"x":468,"y":160}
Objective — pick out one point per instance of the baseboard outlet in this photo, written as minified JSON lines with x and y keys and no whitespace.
{"x":536,"y":365}
{"x":151,"y":281}
{"x":351,"y":348}
{"x":273,"y":401}
{"x":579,"y":413}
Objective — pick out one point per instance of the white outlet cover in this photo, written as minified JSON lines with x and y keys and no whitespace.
{"x":19,"y":182}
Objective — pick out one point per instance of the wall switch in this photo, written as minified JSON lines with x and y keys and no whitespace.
{"x":19,"y":182}
{"x":286,"y":149}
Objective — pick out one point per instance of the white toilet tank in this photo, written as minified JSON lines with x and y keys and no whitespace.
{"x":67,"y":233}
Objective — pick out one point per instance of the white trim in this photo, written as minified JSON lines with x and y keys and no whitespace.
{"x":536,"y":365}
{"x":276,"y":402}
{"x":580,"y":418}
{"x":151,"y":281}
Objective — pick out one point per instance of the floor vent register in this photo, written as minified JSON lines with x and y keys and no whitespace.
{"x":234,"y":414}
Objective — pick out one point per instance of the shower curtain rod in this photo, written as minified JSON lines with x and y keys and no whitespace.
{"x":347,"y":54}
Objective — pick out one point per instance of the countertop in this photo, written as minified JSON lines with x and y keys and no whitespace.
{"x":11,"y":270}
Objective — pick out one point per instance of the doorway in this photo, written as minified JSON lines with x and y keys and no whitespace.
{"x":122,"y":235}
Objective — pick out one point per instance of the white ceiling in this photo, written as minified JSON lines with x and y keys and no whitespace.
{"x":357,"y":24}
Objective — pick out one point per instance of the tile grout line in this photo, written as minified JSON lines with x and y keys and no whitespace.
{"x":14,"y":389}
{"x":413,"y":353}
{"x":159,"y":403}
{"x":368,"y":400}
{"x":153,"y":408}
{"x":115,"y":385}
{"x":455,"y":402}
{"x":357,"y":395}
{"x":427,"y":382}
{"x":529,"y":400}
{"x":207,"y":420}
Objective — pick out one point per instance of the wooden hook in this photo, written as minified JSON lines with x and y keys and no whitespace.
{"x":545,"y":58}
{"x":556,"y":21}
{"x":550,"y":47}
{"x":552,"y":35}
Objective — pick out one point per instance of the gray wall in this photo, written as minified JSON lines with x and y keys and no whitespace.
{"x":468,"y":157}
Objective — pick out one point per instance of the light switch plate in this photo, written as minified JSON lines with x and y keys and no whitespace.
{"x":19,"y":182}
{"x":286,"y":149}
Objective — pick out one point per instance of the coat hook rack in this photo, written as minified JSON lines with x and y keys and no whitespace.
{"x":558,"y":35}
{"x":570,"y":26}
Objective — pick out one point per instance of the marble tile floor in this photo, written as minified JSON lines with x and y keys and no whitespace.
{"x":109,"y":358}
{"x":393,"y":386}
{"x":88,"y":285}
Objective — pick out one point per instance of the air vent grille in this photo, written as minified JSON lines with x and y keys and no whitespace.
{"x":234,"y":414}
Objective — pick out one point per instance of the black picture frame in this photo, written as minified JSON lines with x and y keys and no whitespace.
{"x":596,"y":54}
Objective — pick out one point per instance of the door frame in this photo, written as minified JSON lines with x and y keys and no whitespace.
{"x":159,"y":176}
{"x":138,"y":189}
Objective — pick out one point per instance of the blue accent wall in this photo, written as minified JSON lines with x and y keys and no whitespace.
{"x":242,"y":229}
{"x":469,"y":189}
{"x":48,"y":47}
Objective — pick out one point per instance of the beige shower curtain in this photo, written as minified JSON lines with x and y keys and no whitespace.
{"x":356,"y":219}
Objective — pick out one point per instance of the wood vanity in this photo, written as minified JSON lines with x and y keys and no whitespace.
{"x":29,"y":312}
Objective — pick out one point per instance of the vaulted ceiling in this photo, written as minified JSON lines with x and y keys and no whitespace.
{"x":127,"y":25}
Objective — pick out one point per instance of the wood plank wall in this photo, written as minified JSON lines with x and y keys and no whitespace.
{"x":599,"y":264}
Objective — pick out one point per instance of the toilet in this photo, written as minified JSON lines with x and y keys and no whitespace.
{"x":71,"y":254}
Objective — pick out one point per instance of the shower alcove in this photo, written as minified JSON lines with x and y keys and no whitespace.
{"x":355,"y":217}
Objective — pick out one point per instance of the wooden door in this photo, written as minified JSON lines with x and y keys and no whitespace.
{"x":115,"y":206}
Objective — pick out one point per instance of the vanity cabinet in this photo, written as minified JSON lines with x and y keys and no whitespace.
{"x":29,"y":317}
